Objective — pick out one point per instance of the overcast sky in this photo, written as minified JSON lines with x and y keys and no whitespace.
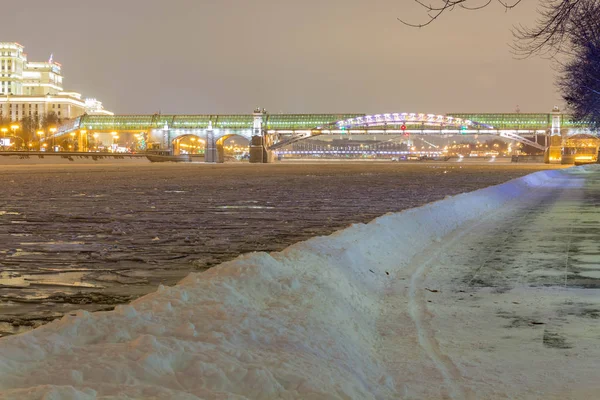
{"x":230,"y":56}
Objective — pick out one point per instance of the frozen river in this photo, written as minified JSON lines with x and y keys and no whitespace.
{"x":92,"y":236}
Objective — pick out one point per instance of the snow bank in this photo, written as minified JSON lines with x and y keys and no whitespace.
{"x":299,"y":323}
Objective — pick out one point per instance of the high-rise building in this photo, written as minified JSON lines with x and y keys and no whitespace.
{"x":32,"y":88}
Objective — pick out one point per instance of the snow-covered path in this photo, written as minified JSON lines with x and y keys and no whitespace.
{"x":486,"y":295}
{"x":514,"y":316}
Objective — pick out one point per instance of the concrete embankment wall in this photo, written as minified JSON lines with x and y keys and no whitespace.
{"x":29,"y":158}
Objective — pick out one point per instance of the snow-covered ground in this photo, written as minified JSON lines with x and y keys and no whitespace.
{"x":485,"y":295}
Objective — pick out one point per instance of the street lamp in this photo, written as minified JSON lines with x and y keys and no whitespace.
{"x":114,"y":136}
{"x":40,"y":134}
{"x":14,"y":128}
{"x":82,"y":143}
{"x":4,"y":130}
{"x":114,"y":141}
{"x":53,"y":131}
{"x":95,"y":135}
{"x":72,"y":145}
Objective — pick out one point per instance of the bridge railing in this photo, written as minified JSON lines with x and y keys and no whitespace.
{"x":67,"y":127}
{"x":521,"y":139}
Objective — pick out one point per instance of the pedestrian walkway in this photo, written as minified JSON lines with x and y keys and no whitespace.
{"x":507,"y":306}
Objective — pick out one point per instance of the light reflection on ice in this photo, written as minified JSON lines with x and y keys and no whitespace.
{"x":21,"y":253}
{"x":247,"y":207}
{"x":67,"y":279}
{"x":591,"y":274}
{"x":88,"y":195}
{"x":48,"y":243}
{"x":587,"y":258}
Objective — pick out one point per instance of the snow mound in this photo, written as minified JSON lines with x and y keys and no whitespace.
{"x":300,"y":323}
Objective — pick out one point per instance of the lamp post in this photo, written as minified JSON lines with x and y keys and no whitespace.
{"x":14,"y":128}
{"x":53,"y":131}
{"x":136,"y":142}
{"x":114,"y":138}
{"x":72,"y":145}
{"x":95,"y":135}
{"x":40,"y":134}
{"x":4,"y":130}
{"x":83,"y":143}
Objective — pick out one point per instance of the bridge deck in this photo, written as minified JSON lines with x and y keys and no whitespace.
{"x":234,"y":121}
{"x":288,"y":121}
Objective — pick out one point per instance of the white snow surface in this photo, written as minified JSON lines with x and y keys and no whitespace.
{"x":314,"y":321}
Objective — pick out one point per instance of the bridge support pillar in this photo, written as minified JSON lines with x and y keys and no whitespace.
{"x":210,"y":151}
{"x":259,"y":153}
{"x":259,"y":143}
{"x":166,"y":143}
{"x":83,"y":141}
{"x":220,"y":152}
{"x":553,"y":154}
{"x":176,"y":147}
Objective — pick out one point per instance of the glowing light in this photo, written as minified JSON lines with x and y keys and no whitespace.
{"x":403,"y":118}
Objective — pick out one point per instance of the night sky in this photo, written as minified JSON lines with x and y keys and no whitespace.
{"x":230,"y":56}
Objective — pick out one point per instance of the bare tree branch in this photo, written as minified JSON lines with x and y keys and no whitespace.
{"x":435,"y":11}
{"x":579,"y":80}
{"x":567,"y":31}
{"x":547,"y":37}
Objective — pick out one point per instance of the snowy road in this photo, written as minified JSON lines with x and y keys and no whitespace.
{"x":485,"y":295}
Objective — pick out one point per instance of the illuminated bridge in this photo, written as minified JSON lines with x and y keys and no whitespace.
{"x":268,"y":132}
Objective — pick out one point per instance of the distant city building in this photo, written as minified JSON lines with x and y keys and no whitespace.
{"x":30,"y":88}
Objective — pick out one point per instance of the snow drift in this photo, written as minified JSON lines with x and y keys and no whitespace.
{"x":299,"y":323}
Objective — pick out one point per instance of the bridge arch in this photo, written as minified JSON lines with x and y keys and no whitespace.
{"x":409,"y":119}
{"x":197,"y":144}
{"x":220,"y":144}
{"x":396,"y":121}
